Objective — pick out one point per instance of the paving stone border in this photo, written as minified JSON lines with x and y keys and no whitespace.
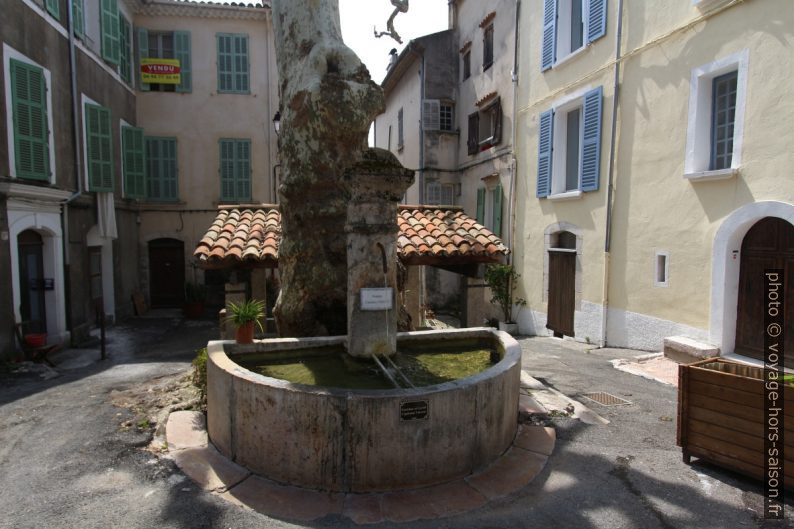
{"x":188,"y":444}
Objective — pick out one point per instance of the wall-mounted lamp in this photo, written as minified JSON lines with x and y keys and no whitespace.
{"x":277,"y":122}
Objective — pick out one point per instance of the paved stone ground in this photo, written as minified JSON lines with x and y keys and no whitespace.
{"x":64,"y":461}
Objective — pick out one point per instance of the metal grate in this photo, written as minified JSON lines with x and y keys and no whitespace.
{"x":605,"y":399}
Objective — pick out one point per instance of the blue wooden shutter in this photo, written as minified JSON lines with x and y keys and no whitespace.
{"x":497,"y":210}
{"x":143,"y":53}
{"x":109,"y":21}
{"x":100,"y":148}
{"x":596,"y":20}
{"x":591,"y":144}
{"x":481,"y":205}
{"x":549,"y":42}
{"x":545,"y":144}
{"x":182,"y":52}
{"x":133,"y":162}
{"x":29,"y":114}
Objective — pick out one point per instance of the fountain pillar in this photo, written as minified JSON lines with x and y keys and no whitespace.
{"x":375,"y":185}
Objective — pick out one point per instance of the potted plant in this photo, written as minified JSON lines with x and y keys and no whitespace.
{"x":195,"y":296}
{"x":501,"y":278}
{"x":244,"y":315}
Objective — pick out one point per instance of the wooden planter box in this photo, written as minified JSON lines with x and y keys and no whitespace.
{"x":721,"y":417}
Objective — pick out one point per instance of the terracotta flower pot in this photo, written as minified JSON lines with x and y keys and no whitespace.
{"x":245,"y":333}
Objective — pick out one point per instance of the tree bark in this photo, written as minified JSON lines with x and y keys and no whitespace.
{"x":327,"y":104}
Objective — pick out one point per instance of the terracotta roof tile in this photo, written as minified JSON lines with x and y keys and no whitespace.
{"x":429,"y":233}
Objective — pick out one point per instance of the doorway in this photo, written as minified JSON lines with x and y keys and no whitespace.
{"x":562,"y":284}
{"x":166,"y":273}
{"x":31,"y":281}
{"x":769,"y":244}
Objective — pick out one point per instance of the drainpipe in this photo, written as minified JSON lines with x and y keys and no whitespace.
{"x":78,"y":175}
{"x":611,"y":177}
{"x":511,"y":203}
{"x":422,"y":277}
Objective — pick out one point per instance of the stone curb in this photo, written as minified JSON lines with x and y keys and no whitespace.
{"x":188,"y":445}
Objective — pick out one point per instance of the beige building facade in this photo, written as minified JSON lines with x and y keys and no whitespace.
{"x":651,"y":143}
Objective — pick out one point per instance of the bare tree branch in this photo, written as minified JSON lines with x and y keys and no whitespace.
{"x":401,"y":6}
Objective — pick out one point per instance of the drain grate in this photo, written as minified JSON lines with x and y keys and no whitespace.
{"x":605,"y":399}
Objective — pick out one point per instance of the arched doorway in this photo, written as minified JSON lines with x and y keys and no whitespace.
{"x":32,"y":307}
{"x":562,"y":283}
{"x":166,"y":273}
{"x":769,"y":244}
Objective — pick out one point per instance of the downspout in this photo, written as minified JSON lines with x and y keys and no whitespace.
{"x":269,"y":125}
{"x":79,"y":177}
{"x":422,"y":277}
{"x":611,"y":177}
{"x":511,"y":204}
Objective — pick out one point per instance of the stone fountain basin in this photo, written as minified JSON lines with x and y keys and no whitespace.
{"x":358,"y":440}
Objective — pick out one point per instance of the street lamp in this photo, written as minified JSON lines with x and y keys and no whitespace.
{"x":277,"y":122}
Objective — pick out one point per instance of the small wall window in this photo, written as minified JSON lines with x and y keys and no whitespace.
{"x":568,"y":26}
{"x":400,"y":129}
{"x":485,"y":127}
{"x":466,"y":64}
{"x":446,"y":118}
{"x":440,"y":194}
{"x":661,"y":269}
{"x":723,"y":116}
{"x":487,"y":47}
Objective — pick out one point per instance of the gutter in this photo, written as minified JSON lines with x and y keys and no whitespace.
{"x":511,"y":202}
{"x":422,"y":276}
{"x":611,"y":178}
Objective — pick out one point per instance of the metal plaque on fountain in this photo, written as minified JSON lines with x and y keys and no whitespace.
{"x":377,"y":299}
{"x":414,"y":410}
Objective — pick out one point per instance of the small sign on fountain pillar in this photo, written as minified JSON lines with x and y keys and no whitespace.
{"x":376,"y":186}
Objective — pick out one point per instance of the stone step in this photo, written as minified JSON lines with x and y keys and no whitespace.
{"x":686,"y":350}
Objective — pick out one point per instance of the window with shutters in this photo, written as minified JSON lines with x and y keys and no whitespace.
{"x":125,"y":48}
{"x":400,"y":137}
{"x":715,"y":127}
{"x":489,"y":207}
{"x":569,"y":26}
{"x":487,"y":47}
{"x":99,"y":148}
{"x":485,"y":127}
{"x":161,"y":169}
{"x":569,"y":146}
{"x":78,"y":10}
{"x":133,"y":162}
{"x":109,"y":24}
{"x":31,"y":125}
{"x":235,"y":170}
{"x":167,"y":45}
{"x":431,"y":114}
{"x":233,"y":64}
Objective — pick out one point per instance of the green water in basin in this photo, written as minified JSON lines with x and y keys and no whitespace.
{"x":335,"y":368}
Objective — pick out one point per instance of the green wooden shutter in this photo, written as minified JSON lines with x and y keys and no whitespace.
{"x":243,"y":169}
{"x":31,"y":130}
{"x":182,"y":52}
{"x":109,"y":20}
{"x":125,"y":49}
{"x":134,"y":162}
{"x":235,"y":169}
{"x":54,"y":8}
{"x":99,"y":141}
{"x":225,"y":76}
{"x":481,"y":206}
{"x":78,"y":18}
{"x":227,"y":170}
{"x":162,"y":171}
{"x":143,"y":53}
{"x":497,"y":211}
{"x":241,"y":82}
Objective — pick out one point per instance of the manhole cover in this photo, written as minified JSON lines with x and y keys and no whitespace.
{"x":605,"y":399}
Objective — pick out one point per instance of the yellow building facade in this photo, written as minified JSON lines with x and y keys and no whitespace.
{"x":651,"y":138}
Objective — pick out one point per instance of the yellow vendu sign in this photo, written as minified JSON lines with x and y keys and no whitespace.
{"x":161,"y":71}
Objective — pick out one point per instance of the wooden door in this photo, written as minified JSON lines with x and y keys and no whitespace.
{"x":166,"y":273}
{"x":768,"y":245}
{"x":562,"y":279}
{"x":31,"y":280}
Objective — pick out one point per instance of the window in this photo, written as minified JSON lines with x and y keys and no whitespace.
{"x":235,"y":170}
{"x":661,"y":269}
{"x":569,"y":146}
{"x":53,"y":8}
{"x":109,"y":22}
{"x":466,"y":64}
{"x":440,"y":194}
{"x":723,"y":116}
{"x":485,"y":127}
{"x":233,"y":63}
{"x":125,"y":49}
{"x":487,"y":47}
{"x":133,"y":162}
{"x":569,"y":25}
{"x":446,"y":119}
{"x":29,"y":115}
{"x":400,"y":129}
{"x":715,"y":126}
{"x":79,"y":18}
{"x":388,"y":140}
{"x":99,"y":145}
{"x":489,"y":208}
{"x":167,"y":45}
{"x":161,"y":174}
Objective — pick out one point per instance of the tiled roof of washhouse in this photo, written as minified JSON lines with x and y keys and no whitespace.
{"x":430,"y":235}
